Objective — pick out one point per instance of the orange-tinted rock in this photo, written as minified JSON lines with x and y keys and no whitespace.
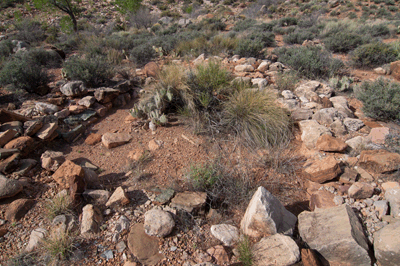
{"x":378,"y":134}
{"x":379,"y":161}
{"x":395,"y":69}
{"x":17,"y":209}
{"x":24,"y":144}
{"x":322,"y":170}
{"x":112,"y":140}
{"x":322,"y":199}
{"x":93,"y":139}
{"x":328,"y":143}
{"x":309,"y":258}
{"x":136,"y":154}
{"x":219,"y":254}
{"x":66,"y":171}
{"x":151,"y":69}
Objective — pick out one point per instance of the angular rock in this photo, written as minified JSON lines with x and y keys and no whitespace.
{"x":322,"y":170}
{"x":87,"y":101}
{"x":219,"y":254}
{"x":244,"y":68}
{"x":62,"y":114}
{"x":32,"y":127}
{"x":158,"y":223}
{"x":17,"y":209}
{"x":76,"y":109}
{"x":46,"y":108}
{"x":301,"y":114}
{"x":387,"y":245}
{"x":75,"y":120}
{"x":73,"y":134}
{"x":6,"y":136}
{"x":379,"y":161}
{"x":23,"y":144}
{"x":311,"y":131}
{"x":47,"y":131}
{"x":118,"y":198}
{"x":34,"y":240}
{"x":165,"y":196}
{"x":105,"y":95}
{"x":100,"y":109}
{"x":91,"y":221}
{"x":393,"y":197}
{"x":9,"y":187}
{"x":93,"y":139}
{"x":112,"y":140}
{"x":66,"y":171}
{"x":336,"y":234}
{"x":154,"y":144}
{"x":15,"y":125}
{"x":266,"y":216}
{"x":5,"y":153}
{"x":395,"y":69}
{"x":326,"y":116}
{"x":91,"y":178}
{"x":62,"y":224}
{"x":226,"y":233}
{"x":73,"y":89}
{"x":331,"y":144}
{"x":277,"y":249}
{"x":143,"y":246}
{"x":349,"y":176}
{"x":51,"y":160}
{"x":306,"y":88}
{"x":121,"y":227}
{"x":341,"y":104}
{"x":338,"y":128}
{"x":189,"y":201}
{"x":381,"y":206}
{"x":364,"y":175}
{"x":360,"y":190}
{"x":10,"y":164}
{"x":77,"y":186}
{"x":322,"y":199}
{"x":96,"y":196}
{"x":377,"y":135}
{"x":353,"y":124}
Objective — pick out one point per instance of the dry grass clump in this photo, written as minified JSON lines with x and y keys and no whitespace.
{"x":60,"y":204}
{"x":58,"y":246}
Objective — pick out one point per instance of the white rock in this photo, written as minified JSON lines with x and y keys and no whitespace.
{"x":158,"y":223}
{"x":34,"y":240}
{"x":226,"y":233}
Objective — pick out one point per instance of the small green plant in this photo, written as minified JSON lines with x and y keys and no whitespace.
{"x":92,"y":70}
{"x":287,"y":80}
{"x":246,"y":256}
{"x":341,"y":84}
{"x":256,"y":118}
{"x":143,"y":54}
{"x":60,"y":204}
{"x":59,"y":246}
{"x":381,"y":99}
{"x":203,"y":176}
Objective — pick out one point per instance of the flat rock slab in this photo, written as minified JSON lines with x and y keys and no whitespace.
{"x":23,"y":144}
{"x":112,"y":140}
{"x":66,"y":171}
{"x":379,"y":161}
{"x":189,"y":201}
{"x":322,"y":199}
{"x":9,"y":187}
{"x":266,"y":216}
{"x":17,"y":209}
{"x":328,"y":143}
{"x":4,"y":153}
{"x":311,"y":130}
{"x":226,"y":233}
{"x":6,"y":136}
{"x":276,"y":250}
{"x":143,"y":246}
{"x":387,"y":245}
{"x":336,"y":234}
{"x":322,"y":170}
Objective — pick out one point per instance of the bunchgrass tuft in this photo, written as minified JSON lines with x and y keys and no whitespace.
{"x":60,"y":204}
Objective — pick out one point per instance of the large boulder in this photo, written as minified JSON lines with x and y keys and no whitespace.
{"x":337,"y":234}
{"x":311,"y":130}
{"x":379,"y":161}
{"x":266,"y":216}
{"x":277,"y":249}
{"x":73,"y":89}
{"x":387,"y":245}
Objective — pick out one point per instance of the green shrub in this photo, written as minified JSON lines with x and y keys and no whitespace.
{"x":143,"y":54}
{"x":298,"y":36}
{"x":311,"y":62}
{"x":246,"y":256}
{"x":289,"y":21}
{"x":48,"y":58}
{"x":267,"y":39}
{"x":245,"y":24}
{"x":381,"y":99}
{"x":92,"y":70}
{"x":372,"y":55}
{"x":21,"y":72}
{"x":203,"y":176}
{"x":256,"y":118}
{"x":6,"y":49}
{"x":29,"y":31}
{"x":249,"y":48}
{"x":342,"y":42}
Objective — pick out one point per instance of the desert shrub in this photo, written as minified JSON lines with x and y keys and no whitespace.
{"x":203,"y":176}
{"x":48,"y":58}
{"x":22,"y":72}
{"x":10,"y":3}
{"x":352,"y":15}
{"x":92,"y":70}
{"x":143,"y":54}
{"x":266,"y":38}
{"x":287,"y":80}
{"x":288,"y":21}
{"x":58,"y":246}
{"x":381,"y":99}
{"x":378,"y":30}
{"x":249,"y":48}
{"x":298,"y":36}
{"x":245,"y":24}
{"x":29,"y":31}
{"x":60,"y":204}
{"x":372,"y":55}
{"x":311,"y":62}
{"x":256,"y":118}
{"x":6,"y":49}
{"x":342,"y":42}
{"x":142,"y":18}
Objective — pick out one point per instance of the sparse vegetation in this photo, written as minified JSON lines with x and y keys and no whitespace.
{"x":59,"y":246}
{"x":60,"y":204}
{"x":245,"y":252}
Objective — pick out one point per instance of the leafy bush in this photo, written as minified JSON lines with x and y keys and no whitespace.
{"x":381,"y":99}
{"x":298,"y":36}
{"x":311,"y":62}
{"x":373,"y":55}
{"x":92,"y":70}
{"x":29,"y":31}
{"x":22,"y":72}
{"x":342,"y":42}
{"x":249,"y":48}
{"x":203,"y":176}
{"x":256,"y":118}
{"x":143,"y":54}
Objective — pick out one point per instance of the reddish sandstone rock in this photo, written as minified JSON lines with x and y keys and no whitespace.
{"x":322,"y":170}
{"x":24,"y":144}
{"x":93,"y":139}
{"x":379,"y":161}
{"x":328,"y":143}
{"x":18,"y":208}
{"x":322,"y":199}
{"x":66,"y":171}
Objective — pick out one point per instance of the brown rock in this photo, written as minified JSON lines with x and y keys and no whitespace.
{"x":322,"y":170}
{"x":47,"y":131}
{"x":112,"y":140}
{"x":143,"y":246}
{"x":379,"y":161}
{"x":66,"y":171}
{"x":100,"y":109}
{"x":76,"y":188}
{"x":32,"y":127}
{"x":360,"y":190}
{"x":329,"y":143}
{"x":93,"y":139}
{"x":91,"y":220}
{"x":309,"y":258}
{"x":390,"y":185}
{"x":189,"y":201}
{"x":7,"y":116}
{"x":349,"y":176}
{"x":395,"y":69}
{"x":76,"y":109}
{"x":136,"y":154}
{"x":151,"y":69}
{"x":3,"y":231}
{"x":378,"y":134}
{"x":118,"y":198}
{"x":130,"y":119}
{"x":322,"y":199}
{"x":219,"y":254}
{"x":326,"y":103}
{"x":154,"y":144}
{"x":17,"y":209}
{"x":24,"y":144}
{"x":6,"y":136}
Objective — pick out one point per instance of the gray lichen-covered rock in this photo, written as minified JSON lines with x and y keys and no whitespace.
{"x":387,"y":245}
{"x":277,"y":249}
{"x":266,"y":216}
{"x":9,"y":187}
{"x":226,"y":233}
{"x":73,"y":88}
{"x":337,"y":234}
